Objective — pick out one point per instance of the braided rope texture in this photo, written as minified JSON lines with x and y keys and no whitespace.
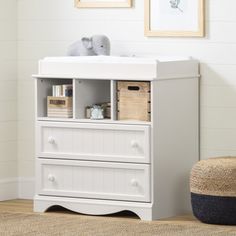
{"x":213,"y":190}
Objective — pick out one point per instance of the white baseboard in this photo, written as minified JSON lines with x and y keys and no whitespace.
{"x":26,"y":188}
{"x":16,"y":188}
{"x":8,"y":189}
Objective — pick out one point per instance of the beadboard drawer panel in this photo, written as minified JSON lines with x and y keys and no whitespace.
{"x":105,"y":142}
{"x":87,"y":179}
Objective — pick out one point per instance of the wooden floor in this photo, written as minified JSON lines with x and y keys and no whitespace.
{"x":26,"y":206}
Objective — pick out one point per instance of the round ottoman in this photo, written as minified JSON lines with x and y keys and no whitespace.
{"x":213,"y":190}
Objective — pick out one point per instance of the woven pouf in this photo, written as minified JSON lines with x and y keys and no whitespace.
{"x":213,"y":190}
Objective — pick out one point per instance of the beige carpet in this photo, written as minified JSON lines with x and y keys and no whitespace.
{"x":27,"y":224}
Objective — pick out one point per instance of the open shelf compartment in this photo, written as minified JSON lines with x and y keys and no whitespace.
{"x":44,"y":89}
{"x":89,"y":93}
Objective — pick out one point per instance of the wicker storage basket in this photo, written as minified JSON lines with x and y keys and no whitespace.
{"x":133,"y":100}
{"x":59,"y":107}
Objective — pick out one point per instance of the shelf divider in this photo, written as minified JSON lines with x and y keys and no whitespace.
{"x":113,"y":101}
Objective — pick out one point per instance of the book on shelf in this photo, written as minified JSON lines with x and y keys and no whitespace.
{"x":62,"y":90}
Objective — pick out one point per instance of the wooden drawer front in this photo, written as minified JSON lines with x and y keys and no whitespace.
{"x":87,"y":179}
{"x":106,"y":142}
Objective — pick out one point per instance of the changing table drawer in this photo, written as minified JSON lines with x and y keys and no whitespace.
{"x":86,"y":179}
{"x":104,"y":142}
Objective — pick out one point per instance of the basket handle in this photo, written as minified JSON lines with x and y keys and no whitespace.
{"x":134,"y":88}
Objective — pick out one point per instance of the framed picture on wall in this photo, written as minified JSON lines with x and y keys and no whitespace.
{"x":103,"y":3}
{"x":174,"y":18}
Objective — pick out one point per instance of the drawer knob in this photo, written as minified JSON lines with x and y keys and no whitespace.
{"x":51,"y":178}
{"x":51,"y":140}
{"x":134,"y":182}
{"x":134,"y":144}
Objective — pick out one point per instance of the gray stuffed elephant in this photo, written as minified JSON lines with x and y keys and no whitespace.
{"x":93,"y":46}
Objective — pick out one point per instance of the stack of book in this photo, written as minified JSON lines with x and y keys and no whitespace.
{"x":63,"y":90}
{"x":60,"y":104}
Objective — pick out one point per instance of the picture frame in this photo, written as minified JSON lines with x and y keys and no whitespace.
{"x":174,"y":18}
{"x":103,"y":3}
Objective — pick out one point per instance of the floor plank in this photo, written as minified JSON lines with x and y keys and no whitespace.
{"x":26,"y":206}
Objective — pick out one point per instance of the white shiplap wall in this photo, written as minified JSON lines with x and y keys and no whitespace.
{"x":46,"y":28}
{"x":8,"y":96}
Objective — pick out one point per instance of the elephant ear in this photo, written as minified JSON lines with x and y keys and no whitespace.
{"x":87,"y":42}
